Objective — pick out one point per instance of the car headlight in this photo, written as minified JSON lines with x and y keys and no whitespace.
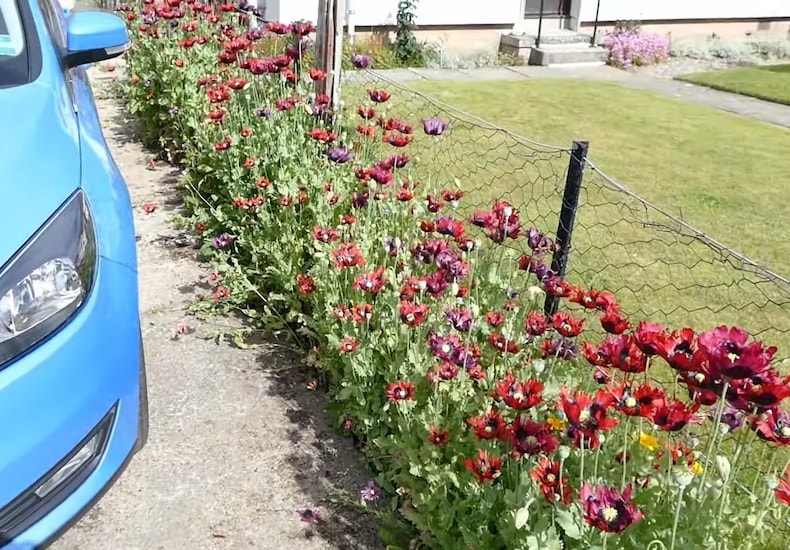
{"x":48,"y":279}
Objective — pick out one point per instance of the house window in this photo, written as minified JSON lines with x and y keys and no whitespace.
{"x":551,"y":8}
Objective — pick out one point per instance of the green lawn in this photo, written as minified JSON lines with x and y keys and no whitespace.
{"x":771,"y":82}
{"x":726,"y":175}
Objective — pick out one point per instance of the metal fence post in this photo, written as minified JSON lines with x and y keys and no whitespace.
{"x":540,"y":25}
{"x":570,"y":204}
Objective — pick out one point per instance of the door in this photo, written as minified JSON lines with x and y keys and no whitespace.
{"x":551,"y":8}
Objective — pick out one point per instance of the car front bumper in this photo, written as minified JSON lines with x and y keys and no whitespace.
{"x":73,"y":409}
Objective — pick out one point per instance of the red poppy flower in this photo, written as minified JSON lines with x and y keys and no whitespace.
{"x":379,"y":96}
{"x":341,"y":312}
{"x":485,"y":467}
{"x":443,"y":373}
{"x":558,"y":287}
{"x":624,"y":354}
{"x":536,"y":323}
{"x":413,"y":315}
{"x":782,"y":491}
{"x":223,"y":145}
{"x":531,"y":438}
{"x":641,"y":401}
{"x":607,"y":509}
{"x":368,"y":131}
{"x":250,"y":162}
{"x":393,"y":124}
{"x":773,"y":426}
{"x":650,"y":337}
{"x":518,"y":395}
{"x":245,"y":132}
{"x":501,"y":344}
{"x":553,"y":487}
{"x":149,"y":208}
{"x":672,"y":415}
{"x":220,"y":293}
{"x":452,"y":195}
{"x":325,"y":234}
{"x":614,"y":322}
{"x":347,"y":219}
{"x":396,"y":140}
{"x":400,"y":391}
{"x":586,"y":415}
{"x":201,"y":227}
{"x":566,"y":325}
{"x":236,"y":83}
{"x":372,"y":282}
{"x":278,"y":28}
{"x":361,"y":313}
{"x":495,"y":319}
{"x":489,"y":426}
{"x":438,"y":437}
{"x":218,"y":94}
{"x":348,"y":255}
{"x":179,"y":63}
{"x":678,"y":349}
{"x":316,"y":74}
{"x":285,"y":200}
{"x":368,"y":113}
{"x":765,"y":391}
{"x":322,"y":135}
{"x":302,"y":29}
{"x":306,"y":284}
{"x":349,"y":344}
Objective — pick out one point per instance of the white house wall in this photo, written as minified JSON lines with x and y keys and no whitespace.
{"x":429,"y":12}
{"x":647,"y":10}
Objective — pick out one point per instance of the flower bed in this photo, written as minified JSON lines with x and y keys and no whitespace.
{"x":492,"y":423}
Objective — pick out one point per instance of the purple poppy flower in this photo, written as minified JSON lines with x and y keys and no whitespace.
{"x":359,"y":200}
{"x":320,"y":110}
{"x":730,"y":416}
{"x":539,"y":242}
{"x":393,"y":245}
{"x":150,"y":18}
{"x":360,"y":61}
{"x":173,"y":111}
{"x":340,"y":155}
{"x":434,"y":126}
{"x":460,"y":319}
{"x":444,"y":347}
{"x":562,"y":348}
{"x":263,"y":112}
{"x":370,"y":492}
{"x":223,"y":241}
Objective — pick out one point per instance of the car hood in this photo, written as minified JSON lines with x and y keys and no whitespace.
{"x":39,"y":159}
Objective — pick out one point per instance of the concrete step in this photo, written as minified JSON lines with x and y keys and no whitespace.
{"x":547,"y":37}
{"x":563,"y":54}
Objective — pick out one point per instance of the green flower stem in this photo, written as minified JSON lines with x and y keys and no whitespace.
{"x":676,"y":520}
{"x":714,"y":439}
{"x":625,"y":450}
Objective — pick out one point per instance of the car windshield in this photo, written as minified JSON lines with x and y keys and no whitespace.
{"x":14,"y":69}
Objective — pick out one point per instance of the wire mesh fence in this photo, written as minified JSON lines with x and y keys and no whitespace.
{"x":660,"y":268}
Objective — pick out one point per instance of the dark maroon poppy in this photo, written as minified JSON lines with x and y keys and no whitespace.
{"x":608,"y":509}
{"x":672,"y":415}
{"x":730,"y":355}
{"x":438,"y":437}
{"x":531,"y":438}
{"x":459,"y":318}
{"x":379,"y":96}
{"x":536,"y":323}
{"x":373,"y":282}
{"x":773,"y":426}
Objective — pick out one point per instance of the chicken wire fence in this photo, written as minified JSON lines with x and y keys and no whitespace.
{"x":660,"y":268}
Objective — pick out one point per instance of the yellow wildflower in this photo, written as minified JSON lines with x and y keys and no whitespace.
{"x":556,"y":424}
{"x":648,"y":442}
{"x":697,"y":468}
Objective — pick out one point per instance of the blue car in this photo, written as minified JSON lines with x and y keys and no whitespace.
{"x":73,"y":400}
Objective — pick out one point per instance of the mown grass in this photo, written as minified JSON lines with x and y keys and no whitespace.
{"x":725,"y":175}
{"x":771,"y":82}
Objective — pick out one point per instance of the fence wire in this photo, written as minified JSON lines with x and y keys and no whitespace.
{"x":660,"y":268}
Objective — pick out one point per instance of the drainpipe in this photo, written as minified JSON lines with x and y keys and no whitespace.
{"x":350,"y":21}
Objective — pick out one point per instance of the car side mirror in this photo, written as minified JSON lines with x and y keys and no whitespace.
{"x":93,"y":36}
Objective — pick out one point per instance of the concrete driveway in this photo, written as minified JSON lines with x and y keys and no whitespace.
{"x":238,"y":442}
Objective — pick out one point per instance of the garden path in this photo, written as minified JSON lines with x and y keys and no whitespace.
{"x":238,"y":442}
{"x":765,"y":111}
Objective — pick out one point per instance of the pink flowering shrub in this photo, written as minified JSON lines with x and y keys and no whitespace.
{"x":630,"y":47}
